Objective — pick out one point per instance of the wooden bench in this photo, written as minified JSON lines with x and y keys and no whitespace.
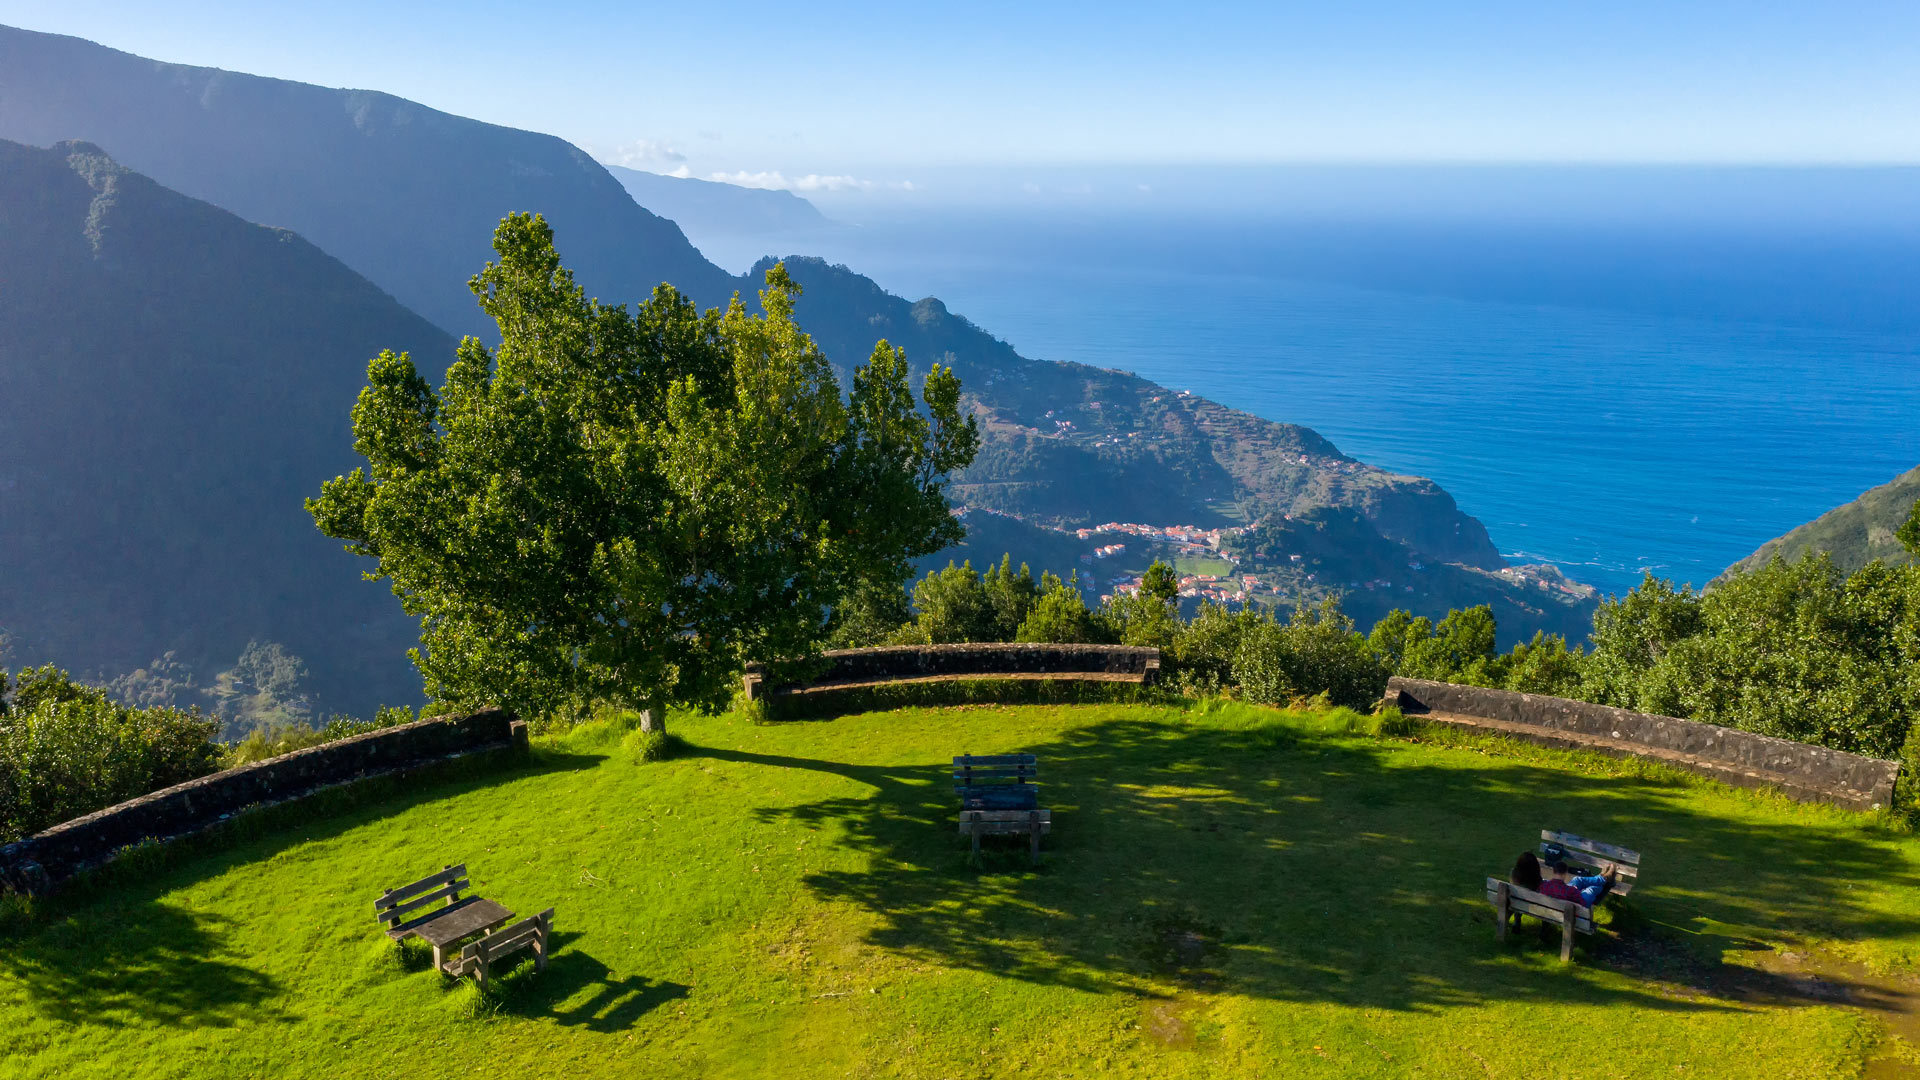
{"x":999,"y":798}
{"x":1510,"y":901}
{"x":439,"y":926}
{"x":478,"y":958}
{"x":1582,"y":852}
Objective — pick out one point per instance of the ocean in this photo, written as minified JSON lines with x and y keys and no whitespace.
{"x":1614,"y":401}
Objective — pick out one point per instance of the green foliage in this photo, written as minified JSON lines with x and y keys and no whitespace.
{"x":1149,"y":616}
{"x":625,"y":508}
{"x":68,"y":750}
{"x":1544,"y":665}
{"x":1059,"y":616}
{"x":1461,"y":648}
{"x":1632,"y":635}
{"x":1317,"y":652}
{"x":951,"y":607}
{"x":1160,"y":582}
{"x":1010,"y":597}
{"x":271,"y":740}
{"x":265,"y":690}
{"x":958,"y":604}
{"x":1798,"y":650}
{"x":1909,"y":531}
{"x":871,"y":613}
{"x":641,"y":746}
{"x":1204,"y":650}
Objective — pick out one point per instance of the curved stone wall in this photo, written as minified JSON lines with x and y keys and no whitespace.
{"x":901,"y":662}
{"x":46,"y":858}
{"x":1802,"y":770}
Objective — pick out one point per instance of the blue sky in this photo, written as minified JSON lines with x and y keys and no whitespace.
{"x":870,"y":95}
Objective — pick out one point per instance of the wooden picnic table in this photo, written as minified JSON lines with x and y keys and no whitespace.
{"x":465,"y":920}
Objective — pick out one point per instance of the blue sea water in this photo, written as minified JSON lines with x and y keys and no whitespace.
{"x":1612,"y":402}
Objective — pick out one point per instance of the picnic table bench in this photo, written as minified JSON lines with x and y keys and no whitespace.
{"x":999,"y":798}
{"x":477,"y":959}
{"x":1511,"y":901}
{"x":459,"y":917}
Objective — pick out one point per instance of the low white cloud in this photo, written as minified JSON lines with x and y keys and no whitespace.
{"x":641,"y":153}
{"x":774,"y":180}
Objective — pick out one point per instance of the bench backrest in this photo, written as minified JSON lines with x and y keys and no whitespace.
{"x":1541,"y":906}
{"x":531,"y":930}
{"x":996,"y":781}
{"x":396,"y":904}
{"x":1591,"y":852}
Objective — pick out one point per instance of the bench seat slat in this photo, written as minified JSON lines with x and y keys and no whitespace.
{"x":1613,"y":853}
{"x":977,"y":760}
{"x":400,"y":895}
{"x":405,"y":929}
{"x":1539,"y":905}
{"x":449,"y":891}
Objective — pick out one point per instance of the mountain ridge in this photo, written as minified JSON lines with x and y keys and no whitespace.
{"x":1065,"y":444}
{"x":152,"y":491}
{"x":1855,"y":533}
{"x":326,"y":162}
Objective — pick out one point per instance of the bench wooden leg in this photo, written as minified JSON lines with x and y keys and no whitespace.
{"x":1502,"y":894}
{"x":1566,"y":931}
{"x":1033,"y":830}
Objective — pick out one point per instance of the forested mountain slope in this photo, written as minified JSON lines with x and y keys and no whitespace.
{"x":406,"y":195}
{"x":1854,"y":533}
{"x":177,"y":381}
{"x":409,"y":197}
{"x":1069,"y":444}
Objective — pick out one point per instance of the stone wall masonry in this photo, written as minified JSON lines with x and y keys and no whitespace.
{"x":44,"y":859}
{"x":971,"y":658}
{"x":1802,"y":770}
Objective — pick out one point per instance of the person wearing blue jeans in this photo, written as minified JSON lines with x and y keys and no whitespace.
{"x":1587,"y":889}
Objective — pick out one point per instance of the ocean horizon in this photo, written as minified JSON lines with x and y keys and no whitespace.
{"x":1610,"y":401}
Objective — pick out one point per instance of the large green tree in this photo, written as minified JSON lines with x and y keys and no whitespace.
{"x":625,"y":507}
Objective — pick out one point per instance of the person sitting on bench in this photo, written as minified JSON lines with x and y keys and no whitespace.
{"x":1584,"y":889}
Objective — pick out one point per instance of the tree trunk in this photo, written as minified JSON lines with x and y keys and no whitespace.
{"x":653,"y":715}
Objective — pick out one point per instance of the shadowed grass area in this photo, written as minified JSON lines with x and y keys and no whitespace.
{"x":1229,"y":891}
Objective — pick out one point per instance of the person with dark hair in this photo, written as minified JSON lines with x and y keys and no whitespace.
{"x":1526,"y":871}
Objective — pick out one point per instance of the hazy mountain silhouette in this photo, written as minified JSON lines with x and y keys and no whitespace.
{"x":406,"y":195}
{"x":177,"y":380}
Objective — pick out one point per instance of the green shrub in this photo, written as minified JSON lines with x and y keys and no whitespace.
{"x":641,"y":747}
{"x":1059,"y":616}
{"x":1316,"y":652}
{"x":66,"y":750}
{"x":1390,"y":721}
{"x":1201,"y":661}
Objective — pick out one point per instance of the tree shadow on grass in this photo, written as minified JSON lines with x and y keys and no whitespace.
{"x":1295,"y":867}
{"x":172,"y":968}
{"x":611,"y":1004}
{"x":107,"y":950}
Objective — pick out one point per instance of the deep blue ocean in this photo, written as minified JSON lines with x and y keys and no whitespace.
{"x":1614,"y":401}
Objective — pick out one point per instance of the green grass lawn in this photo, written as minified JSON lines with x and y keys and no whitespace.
{"x":1230,"y":891}
{"x":1198,"y":564}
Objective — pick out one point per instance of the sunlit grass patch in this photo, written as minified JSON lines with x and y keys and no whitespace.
{"x":1229,"y":890}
